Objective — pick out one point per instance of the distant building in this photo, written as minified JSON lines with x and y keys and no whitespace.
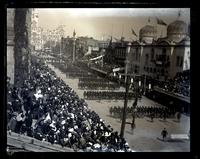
{"x":67,"y":47}
{"x":102,"y":44}
{"x":35,"y":30}
{"x":83,"y":46}
{"x":159,"y":58}
{"x":116,"y":53}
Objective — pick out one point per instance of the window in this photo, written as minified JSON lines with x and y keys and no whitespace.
{"x":147,"y":69}
{"x":164,"y":51}
{"x":168,"y":58}
{"x":152,"y":54}
{"x":177,"y":60}
{"x":136,"y":58}
{"x":156,"y":57}
{"x":181,"y":61}
{"x":147,"y":58}
{"x":162,"y":71}
{"x":151,"y":70}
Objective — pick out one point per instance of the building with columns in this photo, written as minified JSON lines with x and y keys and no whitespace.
{"x":158,"y":58}
{"x":161,"y":58}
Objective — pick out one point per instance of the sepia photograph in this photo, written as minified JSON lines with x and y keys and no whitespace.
{"x":98,"y":80}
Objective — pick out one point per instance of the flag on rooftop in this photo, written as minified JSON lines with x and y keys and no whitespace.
{"x":149,"y":20}
{"x":133,"y":32}
{"x":74,"y":33}
{"x":160,"y":22}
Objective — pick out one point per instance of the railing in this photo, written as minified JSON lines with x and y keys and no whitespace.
{"x":32,"y":144}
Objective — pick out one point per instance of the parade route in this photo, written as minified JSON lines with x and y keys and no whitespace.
{"x":147,"y":135}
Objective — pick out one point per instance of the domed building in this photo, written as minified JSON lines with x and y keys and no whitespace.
{"x":148,"y":34}
{"x":177,"y":31}
{"x":161,"y":58}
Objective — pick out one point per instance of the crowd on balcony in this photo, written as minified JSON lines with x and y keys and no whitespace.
{"x":47,"y":109}
{"x":180,"y":85}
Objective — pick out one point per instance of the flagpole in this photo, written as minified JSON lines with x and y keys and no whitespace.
{"x":156,"y":27}
{"x":112,"y":30}
{"x":122,"y":30}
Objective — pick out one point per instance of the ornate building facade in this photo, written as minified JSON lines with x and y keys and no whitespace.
{"x":161,"y":58}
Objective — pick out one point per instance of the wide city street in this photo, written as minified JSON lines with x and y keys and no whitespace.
{"x":147,"y":135}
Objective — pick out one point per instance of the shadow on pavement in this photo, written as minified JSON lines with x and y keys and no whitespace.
{"x":149,"y":120}
{"x":164,"y":121}
{"x":129,"y":132}
{"x":160,"y":139}
{"x":176,"y":121}
{"x":170,"y":140}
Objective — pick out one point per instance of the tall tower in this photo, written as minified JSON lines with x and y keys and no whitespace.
{"x":74,"y":46}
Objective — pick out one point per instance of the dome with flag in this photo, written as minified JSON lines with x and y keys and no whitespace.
{"x":148,"y":33}
{"x":177,"y":30}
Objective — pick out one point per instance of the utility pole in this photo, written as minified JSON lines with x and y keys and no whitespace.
{"x":60,"y":49}
{"x":126,"y":94}
{"x":74,"y":43}
{"x":125,"y":108}
{"x":135,"y":102}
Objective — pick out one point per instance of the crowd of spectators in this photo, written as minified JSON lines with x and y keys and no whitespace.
{"x":98,"y":95}
{"x":180,"y":85}
{"x":47,"y":109}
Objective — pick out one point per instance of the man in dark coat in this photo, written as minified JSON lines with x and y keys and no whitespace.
{"x":164,"y":134}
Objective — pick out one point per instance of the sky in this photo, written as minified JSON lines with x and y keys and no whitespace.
{"x":101,"y":23}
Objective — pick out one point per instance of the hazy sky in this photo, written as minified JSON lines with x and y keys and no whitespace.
{"x":99,"y":22}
